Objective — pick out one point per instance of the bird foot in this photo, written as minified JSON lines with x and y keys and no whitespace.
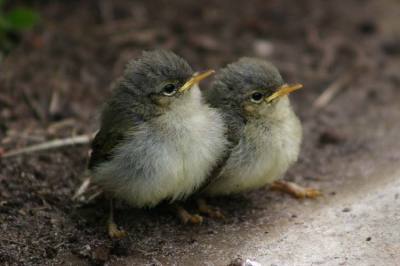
{"x":296,"y":190}
{"x":113,"y":230}
{"x":186,"y":217}
{"x":209,"y":210}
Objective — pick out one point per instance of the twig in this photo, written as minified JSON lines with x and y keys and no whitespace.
{"x":82,"y":188}
{"x":19,"y":243}
{"x":61,"y":124}
{"x":332,"y":90}
{"x":82,"y":139}
{"x":14,"y":134}
{"x":59,"y":245}
{"x":44,"y":202}
{"x":54,"y":106}
{"x":95,"y":195}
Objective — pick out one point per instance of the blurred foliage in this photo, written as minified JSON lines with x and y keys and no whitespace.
{"x":12,"y":23}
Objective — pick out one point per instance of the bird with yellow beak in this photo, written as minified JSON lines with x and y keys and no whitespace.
{"x":263,"y":131}
{"x":158,"y":139}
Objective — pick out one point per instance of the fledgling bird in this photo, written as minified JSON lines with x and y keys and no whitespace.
{"x":158,"y":139}
{"x":264,"y":132}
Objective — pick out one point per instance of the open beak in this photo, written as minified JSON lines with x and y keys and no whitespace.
{"x":196,"y":78}
{"x":283,"y":90}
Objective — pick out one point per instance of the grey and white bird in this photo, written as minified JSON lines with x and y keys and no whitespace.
{"x":263,"y":130}
{"x":158,"y":139}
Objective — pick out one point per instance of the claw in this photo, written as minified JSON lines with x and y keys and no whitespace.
{"x":186,"y":217}
{"x":209,"y":210}
{"x":113,"y":230}
{"x":296,"y":190}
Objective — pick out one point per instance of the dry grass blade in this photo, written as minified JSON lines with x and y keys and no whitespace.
{"x":333,"y":90}
{"x":61,"y":124}
{"x":94,"y":196}
{"x":82,"y":139}
{"x":19,"y":243}
{"x":83,"y":187}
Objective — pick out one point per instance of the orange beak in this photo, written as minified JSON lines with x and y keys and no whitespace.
{"x":196,"y":78}
{"x":283,"y":90}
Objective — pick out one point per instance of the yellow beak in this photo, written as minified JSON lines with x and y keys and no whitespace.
{"x":283,"y":90}
{"x":196,"y":78}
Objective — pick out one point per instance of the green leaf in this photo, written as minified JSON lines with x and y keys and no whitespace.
{"x":21,"y":18}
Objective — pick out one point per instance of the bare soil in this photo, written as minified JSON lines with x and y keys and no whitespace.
{"x":52,"y":86}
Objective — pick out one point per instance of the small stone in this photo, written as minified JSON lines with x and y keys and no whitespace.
{"x":346,"y":209}
{"x":85,"y":252}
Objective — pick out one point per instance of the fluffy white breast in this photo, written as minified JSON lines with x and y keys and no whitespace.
{"x":265,"y":152}
{"x":167,"y":158}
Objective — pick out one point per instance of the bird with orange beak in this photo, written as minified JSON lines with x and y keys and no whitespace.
{"x":264,"y":132}
{"x":158,"y":139}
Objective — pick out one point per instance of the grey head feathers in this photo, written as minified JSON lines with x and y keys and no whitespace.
{"x":142,"y":79}
{"x":153,"y":68}
{"x":233,"y":83}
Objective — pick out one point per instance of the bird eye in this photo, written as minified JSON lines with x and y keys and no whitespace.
{"x":169,"y":89}
{"x":256,"y":97}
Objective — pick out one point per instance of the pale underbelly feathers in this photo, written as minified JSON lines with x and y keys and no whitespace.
{"x":261,"y":157}
{"x":152,"y":166}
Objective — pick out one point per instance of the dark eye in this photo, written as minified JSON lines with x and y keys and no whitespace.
{"x":256,"y":96}
{"x":169,"y":89}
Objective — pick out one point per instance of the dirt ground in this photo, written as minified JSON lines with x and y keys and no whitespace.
{"x":52,"y":86}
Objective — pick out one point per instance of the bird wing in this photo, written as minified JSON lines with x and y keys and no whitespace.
{"x":108,"y":138}
{"x":103,"y":146}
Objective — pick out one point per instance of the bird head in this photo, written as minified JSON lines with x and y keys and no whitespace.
{"x":159,"y":78}
{"x":250,"y":87}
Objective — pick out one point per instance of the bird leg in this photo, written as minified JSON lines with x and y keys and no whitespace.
{"x":207,"y":209}
{"x":184,"y":216}
{"x":113,"y":230}
{"x":296,"y":190}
